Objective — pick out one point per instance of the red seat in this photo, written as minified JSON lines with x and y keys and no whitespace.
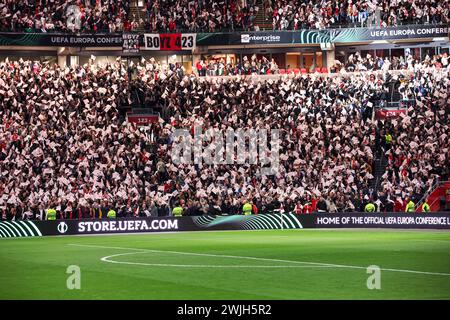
{"x":269,"y":71}
{"x":282,"y":71}
{"x":289,"y":71}
{"x":304,"y":70}
{"x":296,"y":71}
{"x":324,"y":70}
{"x":317,"y":70}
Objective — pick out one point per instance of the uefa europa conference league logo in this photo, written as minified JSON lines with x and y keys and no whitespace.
{"x":62,"y":227}
{"x":217,"y":147}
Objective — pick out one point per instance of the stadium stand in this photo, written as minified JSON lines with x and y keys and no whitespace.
{"x":57,"y":16}
{"x":217,"y":15}
{"x":319,"y":14}
{"x":65,"y":143}
{"x":355,"y":63}
{"x":70,"y":136}
{"x":199,"y":16}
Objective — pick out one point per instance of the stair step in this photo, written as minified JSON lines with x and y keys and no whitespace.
{"x":138,"y":13}
{"x":260,"y":20}
{"x":264,"y":23}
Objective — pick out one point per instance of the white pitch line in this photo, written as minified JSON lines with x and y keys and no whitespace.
{"x":255,"y":258}
{"x":107,"y":259}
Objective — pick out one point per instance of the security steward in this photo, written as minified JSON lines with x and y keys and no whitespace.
{"x":111,"y":214}
{"x":247,"y":208}
{"x":410,"y":207}
{"x":370,"y":207}
{"x":388,"y":140}
{"x":177,"y":211}
{"x":51,"y":214}
{"x":425,"y":207}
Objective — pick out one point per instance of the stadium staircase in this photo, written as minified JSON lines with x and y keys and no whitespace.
{"x":260,"y":19}
{"x":137,"y":13}
{"x":124,"y":110}
{"x":139,"y":106}
{"x":394,"y":93}
{"x":438,"y":198}
{"x":380,"y":161}
{"x":379,"y":169}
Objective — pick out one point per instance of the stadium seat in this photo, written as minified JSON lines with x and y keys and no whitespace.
{"x":317,"y":70}
{"x":296,"y":71}
{"x":269,"y":71}
{"x":324,"y":70}
{"x":304,"y":71}
{"x":289,"y":71}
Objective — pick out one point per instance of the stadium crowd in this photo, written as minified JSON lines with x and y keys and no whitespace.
{"x":200,"y":16}
{"x":65,"y":15}
{"x":64,"y":144}
{"x":253,"y":66}
{"x":113,"y":15}
{"x":320,"y":14}
{"x":214,"y":15}
{"x":356,"y":62}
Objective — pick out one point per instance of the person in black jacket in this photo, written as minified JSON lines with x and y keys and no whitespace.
{"x":289,"y":206}
{"x":163,"y":210}
{"x":321,"y":205}
{"x":192,"y":209}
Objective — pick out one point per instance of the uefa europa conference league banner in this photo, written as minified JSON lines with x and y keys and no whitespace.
{"x":60,"y":40}
{"x":438,"y":220}
{"x":343,"y":35}
{"x":188,"y":41}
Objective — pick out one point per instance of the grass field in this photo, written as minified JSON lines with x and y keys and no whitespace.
{"x":290,"y":264}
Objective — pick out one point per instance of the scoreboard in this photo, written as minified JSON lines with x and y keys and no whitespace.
{"x":169,"y":41}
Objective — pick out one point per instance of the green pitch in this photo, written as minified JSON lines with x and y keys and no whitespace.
{"x":290,"y":264}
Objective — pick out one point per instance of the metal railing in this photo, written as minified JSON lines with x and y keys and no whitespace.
{"x":234,"y":28}
{"x":433,"y":187}
{"x":259,"y":77}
